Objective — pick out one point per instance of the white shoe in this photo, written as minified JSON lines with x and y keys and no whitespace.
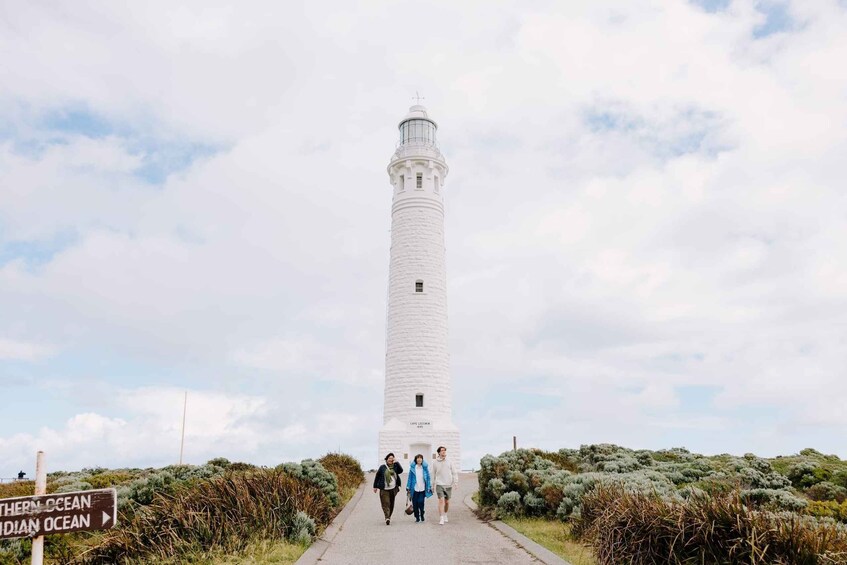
{"x":441,"y":522}
{"x":446,"y":519}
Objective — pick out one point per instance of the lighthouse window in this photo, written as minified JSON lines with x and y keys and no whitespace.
{"x":418,"y":286}
{"x":418,"y":401}
{"x":402,"y":182}
{"x":435,"y":182}
{"x":420,"y":180}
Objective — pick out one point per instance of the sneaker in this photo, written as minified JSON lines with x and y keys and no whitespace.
{"x":388,"y":521}
{"x":417,"y":519}
{"x":441,"y":522}
{"x":446,"y":519}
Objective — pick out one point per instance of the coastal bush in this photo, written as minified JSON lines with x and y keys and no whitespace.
{"x":828,"y":509}
{"x":807,"y":474}
{"x":347,"y":470}
{"x":826,"y":490}
{"x":546,"y":489}
{"x":312,"y":471}
{"x":223,"y":512}
{"x":642,"y":529}
{"x":509,"y":504}
{"x":795,"y":498}
{"x":302,"y":528}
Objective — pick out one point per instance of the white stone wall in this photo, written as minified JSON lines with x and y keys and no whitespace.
{"x":417,"y":359}
{"x":400,"y":442}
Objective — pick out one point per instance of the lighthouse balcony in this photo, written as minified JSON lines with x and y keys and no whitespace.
{"x":413,"y":149}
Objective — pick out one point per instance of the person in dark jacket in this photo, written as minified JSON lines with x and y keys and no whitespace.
{"x":387,"y":482}
{"x":419,"y":486}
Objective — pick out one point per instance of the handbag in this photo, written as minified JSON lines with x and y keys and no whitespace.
{"x":409,"y":508}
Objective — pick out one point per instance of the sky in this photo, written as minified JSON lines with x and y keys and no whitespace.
{"x":646,"y":224}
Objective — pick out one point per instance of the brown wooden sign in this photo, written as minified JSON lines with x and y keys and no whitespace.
{"x":30,"y":516}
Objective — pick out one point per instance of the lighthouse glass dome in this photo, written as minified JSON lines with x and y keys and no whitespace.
{"x":417,"y":131}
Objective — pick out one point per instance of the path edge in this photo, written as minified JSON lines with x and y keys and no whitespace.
{"x":320,"y":545}
{"x":533,"y":548}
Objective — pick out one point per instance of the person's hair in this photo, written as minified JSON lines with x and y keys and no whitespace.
{"x":389,"y":455}
{"x":440,"y":447}
{"x":416,"y":457}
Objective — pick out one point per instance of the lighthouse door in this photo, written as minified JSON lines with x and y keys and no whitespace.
{"x":424,"y":449}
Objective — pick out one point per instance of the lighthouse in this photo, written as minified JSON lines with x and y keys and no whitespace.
{"x":417,"y":414}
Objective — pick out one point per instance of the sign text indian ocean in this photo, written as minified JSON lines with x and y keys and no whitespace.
{"x":30,"y":516}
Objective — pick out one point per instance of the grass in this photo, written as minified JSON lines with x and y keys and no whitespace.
{"x":262,"y":552}
{"x":555,"y":536}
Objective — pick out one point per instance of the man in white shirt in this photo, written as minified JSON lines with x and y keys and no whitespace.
{"x":444,"y":477}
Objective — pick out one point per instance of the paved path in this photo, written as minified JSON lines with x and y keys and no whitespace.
{"x":365,"y":539}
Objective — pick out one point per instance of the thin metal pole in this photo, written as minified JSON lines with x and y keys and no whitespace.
{"x":182,"y":440}
{"x":514,"y":443}
{"x":40,"y":488}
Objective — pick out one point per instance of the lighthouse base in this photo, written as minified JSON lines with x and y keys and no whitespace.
{"x":406,"y":441}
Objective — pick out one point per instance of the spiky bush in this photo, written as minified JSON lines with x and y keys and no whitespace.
{"x":347,"y":470}
{"x":644,"y":529}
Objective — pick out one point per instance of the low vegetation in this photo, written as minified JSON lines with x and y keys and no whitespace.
{"x":673,"y":506}
{"x":555,"y":536}
{"x":220,"y":512}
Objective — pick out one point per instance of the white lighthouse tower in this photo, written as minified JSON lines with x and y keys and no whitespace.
{"x":418,"y":415}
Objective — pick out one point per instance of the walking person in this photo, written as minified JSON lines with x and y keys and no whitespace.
{"x":419,"y":486}
{"x":387,"y":482}
{"x":444,"y":477}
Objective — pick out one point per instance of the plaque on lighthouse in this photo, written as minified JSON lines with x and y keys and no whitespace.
{"x":418,"y":414}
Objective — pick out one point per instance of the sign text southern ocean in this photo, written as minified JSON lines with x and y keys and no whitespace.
{"x":30,"y":516}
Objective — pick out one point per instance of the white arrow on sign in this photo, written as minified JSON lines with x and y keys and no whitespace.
{"x":106,"y":518}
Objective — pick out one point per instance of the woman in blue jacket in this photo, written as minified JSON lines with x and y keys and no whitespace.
{"x":419,"y":486}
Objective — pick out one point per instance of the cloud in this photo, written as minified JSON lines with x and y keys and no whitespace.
{"x":24,"y":350}
{"x":644,"y":200}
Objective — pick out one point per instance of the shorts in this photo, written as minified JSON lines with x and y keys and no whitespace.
{"x":444,"y":492}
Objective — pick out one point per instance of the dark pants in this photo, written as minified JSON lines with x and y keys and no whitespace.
{"x":418,"y":499}
{"x":386,"y":498}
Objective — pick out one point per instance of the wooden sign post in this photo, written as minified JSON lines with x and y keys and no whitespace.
{"x":60,"y":513}
{"x":35,"y":516}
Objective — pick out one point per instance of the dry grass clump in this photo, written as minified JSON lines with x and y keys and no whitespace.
{"x":643,"y":529}
{"x":17,"y":488}
{"x":346,"y":469}
{"x":223,"y":513}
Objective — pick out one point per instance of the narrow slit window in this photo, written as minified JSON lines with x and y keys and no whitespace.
{"x":419,"y":180}
{"x":402,"y":182}
{"x":435,"y":184}
{"x":418,"y":286}
{"x":418,"y":401}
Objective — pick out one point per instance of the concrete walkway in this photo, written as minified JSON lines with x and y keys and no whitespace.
{"x":363,"y":537}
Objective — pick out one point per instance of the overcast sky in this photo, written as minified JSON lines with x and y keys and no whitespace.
{"x":646,"y":219}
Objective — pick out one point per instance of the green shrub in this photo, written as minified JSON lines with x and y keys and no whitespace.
{"x":828,"y":509}
{"x":302,"y":528}
{"x":107,"y":479}
{"x":839,"y":478}
{"x":773,"y":499}
{"x":509,"y":504}
{"x":826,"y":490}
{"x":806,"y":474}
{"x":312,"y":471}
